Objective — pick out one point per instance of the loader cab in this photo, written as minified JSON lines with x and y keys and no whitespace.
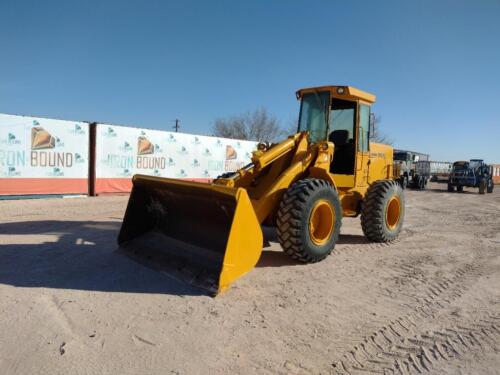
{"x":342,"y":132}
{"x":341,"y":115}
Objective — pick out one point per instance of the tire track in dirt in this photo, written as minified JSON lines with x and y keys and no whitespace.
{"x":373,"y":353}
{"x":340,"y":249}
{"x":397,"y":352}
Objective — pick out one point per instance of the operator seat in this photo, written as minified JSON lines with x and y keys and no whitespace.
{"x":343,"y":155}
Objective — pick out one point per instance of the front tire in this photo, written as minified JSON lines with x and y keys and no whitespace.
{"x":383,"y":210}
{"x":482,"y":186}
{"x":421,"y":183}
{"x":308,"y":220}
{"x":460,"y":188}
{"x":489,"y":188}
{"x":451,"y":188}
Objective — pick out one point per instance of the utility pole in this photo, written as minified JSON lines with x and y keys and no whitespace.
{"x":176,"y":126}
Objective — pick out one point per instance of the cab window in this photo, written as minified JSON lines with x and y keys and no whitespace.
{"x":342,"y":134}
{"x":364,"y":126}
{"x":314,"y":115}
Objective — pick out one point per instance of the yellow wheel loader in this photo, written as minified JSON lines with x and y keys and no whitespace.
{"x":210,"y":234}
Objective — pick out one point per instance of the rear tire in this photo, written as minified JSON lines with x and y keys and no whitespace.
{"x":383,"y":210}
{"x":489,"y":188}
{"x":482,"y":186}
{"x":460,"y":188}
{"x":451,"y":188}
{"x":421,"y":183}
{"x":414,"y":182}
{"x":308,"y":220}
{"x":404,"y":182}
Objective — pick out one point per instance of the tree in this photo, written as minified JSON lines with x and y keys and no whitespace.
{"x":258,"y":126}
{"x":377,"y":135}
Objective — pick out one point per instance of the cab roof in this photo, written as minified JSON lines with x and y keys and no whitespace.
{"x":348,"y":92}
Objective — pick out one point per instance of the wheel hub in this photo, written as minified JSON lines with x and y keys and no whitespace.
{"x":321,"y":222}
{"x":393,"y":212}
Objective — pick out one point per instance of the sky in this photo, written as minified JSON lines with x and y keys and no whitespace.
{"x":434,"y":65}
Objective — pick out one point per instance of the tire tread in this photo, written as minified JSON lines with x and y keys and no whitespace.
{"x":289,"y":218}
{"x":372,"y":221}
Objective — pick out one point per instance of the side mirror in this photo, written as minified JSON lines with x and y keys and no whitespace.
{"x":372,"y":125}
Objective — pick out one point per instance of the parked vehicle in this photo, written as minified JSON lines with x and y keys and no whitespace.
{"x":411,"y":169}
{"x":440,"y":170}
{"x":474,"y":173}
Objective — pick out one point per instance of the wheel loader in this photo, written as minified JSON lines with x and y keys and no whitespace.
{"x":210,"y":233}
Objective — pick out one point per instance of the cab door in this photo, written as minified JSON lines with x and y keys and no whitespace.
{"x":363,"y":146}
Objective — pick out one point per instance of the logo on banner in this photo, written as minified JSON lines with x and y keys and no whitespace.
{"x":182,"y":173}
{"x":231,"y":164}
{"x":126,"y":147}
{"x":183,"y":150}
{"x":109,"y":132}
{"x":43,"y":154}
{"x":77,"y":129}
{"x":207,"y":152}
{"x":125,"y":173}
{"x":11,"y":158}
{"x":10,"y":140}
{"x":11,"y":172}
{"x":145,"y":154}
{"x":195,"y":163}
{"x":196,"y":141}
{"x":171,"y":138}
{"x":144,"y":146}
{"x":231,"y":153}
{"x":56,"y":172}
{"x":78,"y":158}
{"x":41,"y":139}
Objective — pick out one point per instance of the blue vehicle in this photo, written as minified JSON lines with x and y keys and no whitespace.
{"x":474,"y":173}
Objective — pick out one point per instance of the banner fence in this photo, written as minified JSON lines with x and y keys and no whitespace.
{"x":48,"y":156}
{"x":43,"y":156}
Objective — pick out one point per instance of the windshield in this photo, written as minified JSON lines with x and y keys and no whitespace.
{"x":314,"y":114}
{"x":474,"y":164}
{"x":460,"y":166}
{"x":400,"y":156}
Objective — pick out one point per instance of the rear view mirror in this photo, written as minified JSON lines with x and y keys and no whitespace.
{"x":372,"y":124}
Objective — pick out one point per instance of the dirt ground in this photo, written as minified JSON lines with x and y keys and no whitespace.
{"x":427,"y":303}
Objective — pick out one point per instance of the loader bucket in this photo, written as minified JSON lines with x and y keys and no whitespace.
{"x":202,"y":233}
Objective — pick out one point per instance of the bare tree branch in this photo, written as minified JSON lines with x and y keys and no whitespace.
{"x":258,"y":126}
{"x":378,"y":136}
